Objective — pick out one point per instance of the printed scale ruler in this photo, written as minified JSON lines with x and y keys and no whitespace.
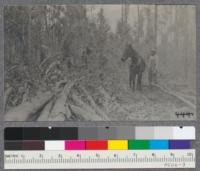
{"x":99,"y":159}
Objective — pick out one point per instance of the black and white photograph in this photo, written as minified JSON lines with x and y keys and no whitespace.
{"x":99,"y":62}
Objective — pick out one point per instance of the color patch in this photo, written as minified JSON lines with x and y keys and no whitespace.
{"x":75,"y":145}
{"x":13,"y":133}
{"x":106,"y":133}
{"x":144,"y":133}
{"x":159,"y":144}
{"x":41,"y":133}
{"x":13,"y":145}
{"x":33,"y":145}
{"x":96,"y":145}
{"x":163,"y":133}
{"x":179,"y":144}
{"x":87,"y":133}
{"x":138,"y":144}
{"x":117,"y":144}
{"x":101,"y":133}
{"x":184,"y":133}
{"x":124,"y":132}
{"x":54,"y":145}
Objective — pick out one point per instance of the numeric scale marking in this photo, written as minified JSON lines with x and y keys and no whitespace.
{"x":99,"y":159}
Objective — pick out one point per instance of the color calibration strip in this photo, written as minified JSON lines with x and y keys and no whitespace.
{"x":99,"y":133}
{"x":98,"y":138}
{"x":98,"y":145}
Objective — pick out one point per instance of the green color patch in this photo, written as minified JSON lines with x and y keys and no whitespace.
{"x":138,"y":144}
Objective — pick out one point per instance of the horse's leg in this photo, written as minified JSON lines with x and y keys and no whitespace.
{"x":133,"y":80}
{"x":130,"y":80}
{"x":139,"y":81}
{"x":130,"y":77}
{"x":150,"y":76}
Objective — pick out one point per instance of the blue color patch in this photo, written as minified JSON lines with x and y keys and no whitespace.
{"x":159,"y":144}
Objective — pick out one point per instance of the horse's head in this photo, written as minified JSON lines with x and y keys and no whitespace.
{"x":128,"y":52}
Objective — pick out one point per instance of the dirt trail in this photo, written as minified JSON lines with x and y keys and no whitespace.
{"x":150,"y":104}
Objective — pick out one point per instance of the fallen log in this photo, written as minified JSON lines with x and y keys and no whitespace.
{"x":94,"y":105}
{"x":58,"y":117}
{"x":46,"y":104}
{"x":26,"y":110}
{"x":87,"y":115}
{"x":87,"y":110}
{"x":6,"y":96}
{"x":59,"y":104}
{"x":45,"y":112}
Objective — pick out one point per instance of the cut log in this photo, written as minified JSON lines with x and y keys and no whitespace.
{"x":32,"y":110}
{"x":87,"y":115}
{"x":45,"y":112}
{"x":61,"y":102}
{"x":176,"y":95}
{"x":60,"y":85}
{"x":59,"y":105}
{"x":6,"y":95}
{"x":59,"y":117}
{"x":26,"y":110}
{"x":87,"y":110}
{"x":94,"y":105}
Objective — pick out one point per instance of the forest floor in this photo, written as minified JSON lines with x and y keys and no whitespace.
{"x":72,"y":101}
{"x":151,"y":104}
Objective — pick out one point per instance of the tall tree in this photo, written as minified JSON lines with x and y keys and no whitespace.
{"x":103,"y":29}
{"x":155,"y":25}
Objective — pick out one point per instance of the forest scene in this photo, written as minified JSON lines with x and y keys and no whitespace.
{"x":99,"y":62}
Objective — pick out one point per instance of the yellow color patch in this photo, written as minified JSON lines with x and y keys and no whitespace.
{"x":117,"y":144}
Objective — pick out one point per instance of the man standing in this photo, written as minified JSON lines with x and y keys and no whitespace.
{"x":153,"y":68}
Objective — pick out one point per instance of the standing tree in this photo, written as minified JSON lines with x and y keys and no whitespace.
{"x":102,"y":36}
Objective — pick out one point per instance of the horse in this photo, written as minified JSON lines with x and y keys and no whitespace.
{"x":136,"y":68}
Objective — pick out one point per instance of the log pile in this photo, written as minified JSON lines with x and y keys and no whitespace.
{"x":70,"y":99}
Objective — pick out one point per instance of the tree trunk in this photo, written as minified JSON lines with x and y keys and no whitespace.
{"x":155,"y":26}
{"x":138,"y":27}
